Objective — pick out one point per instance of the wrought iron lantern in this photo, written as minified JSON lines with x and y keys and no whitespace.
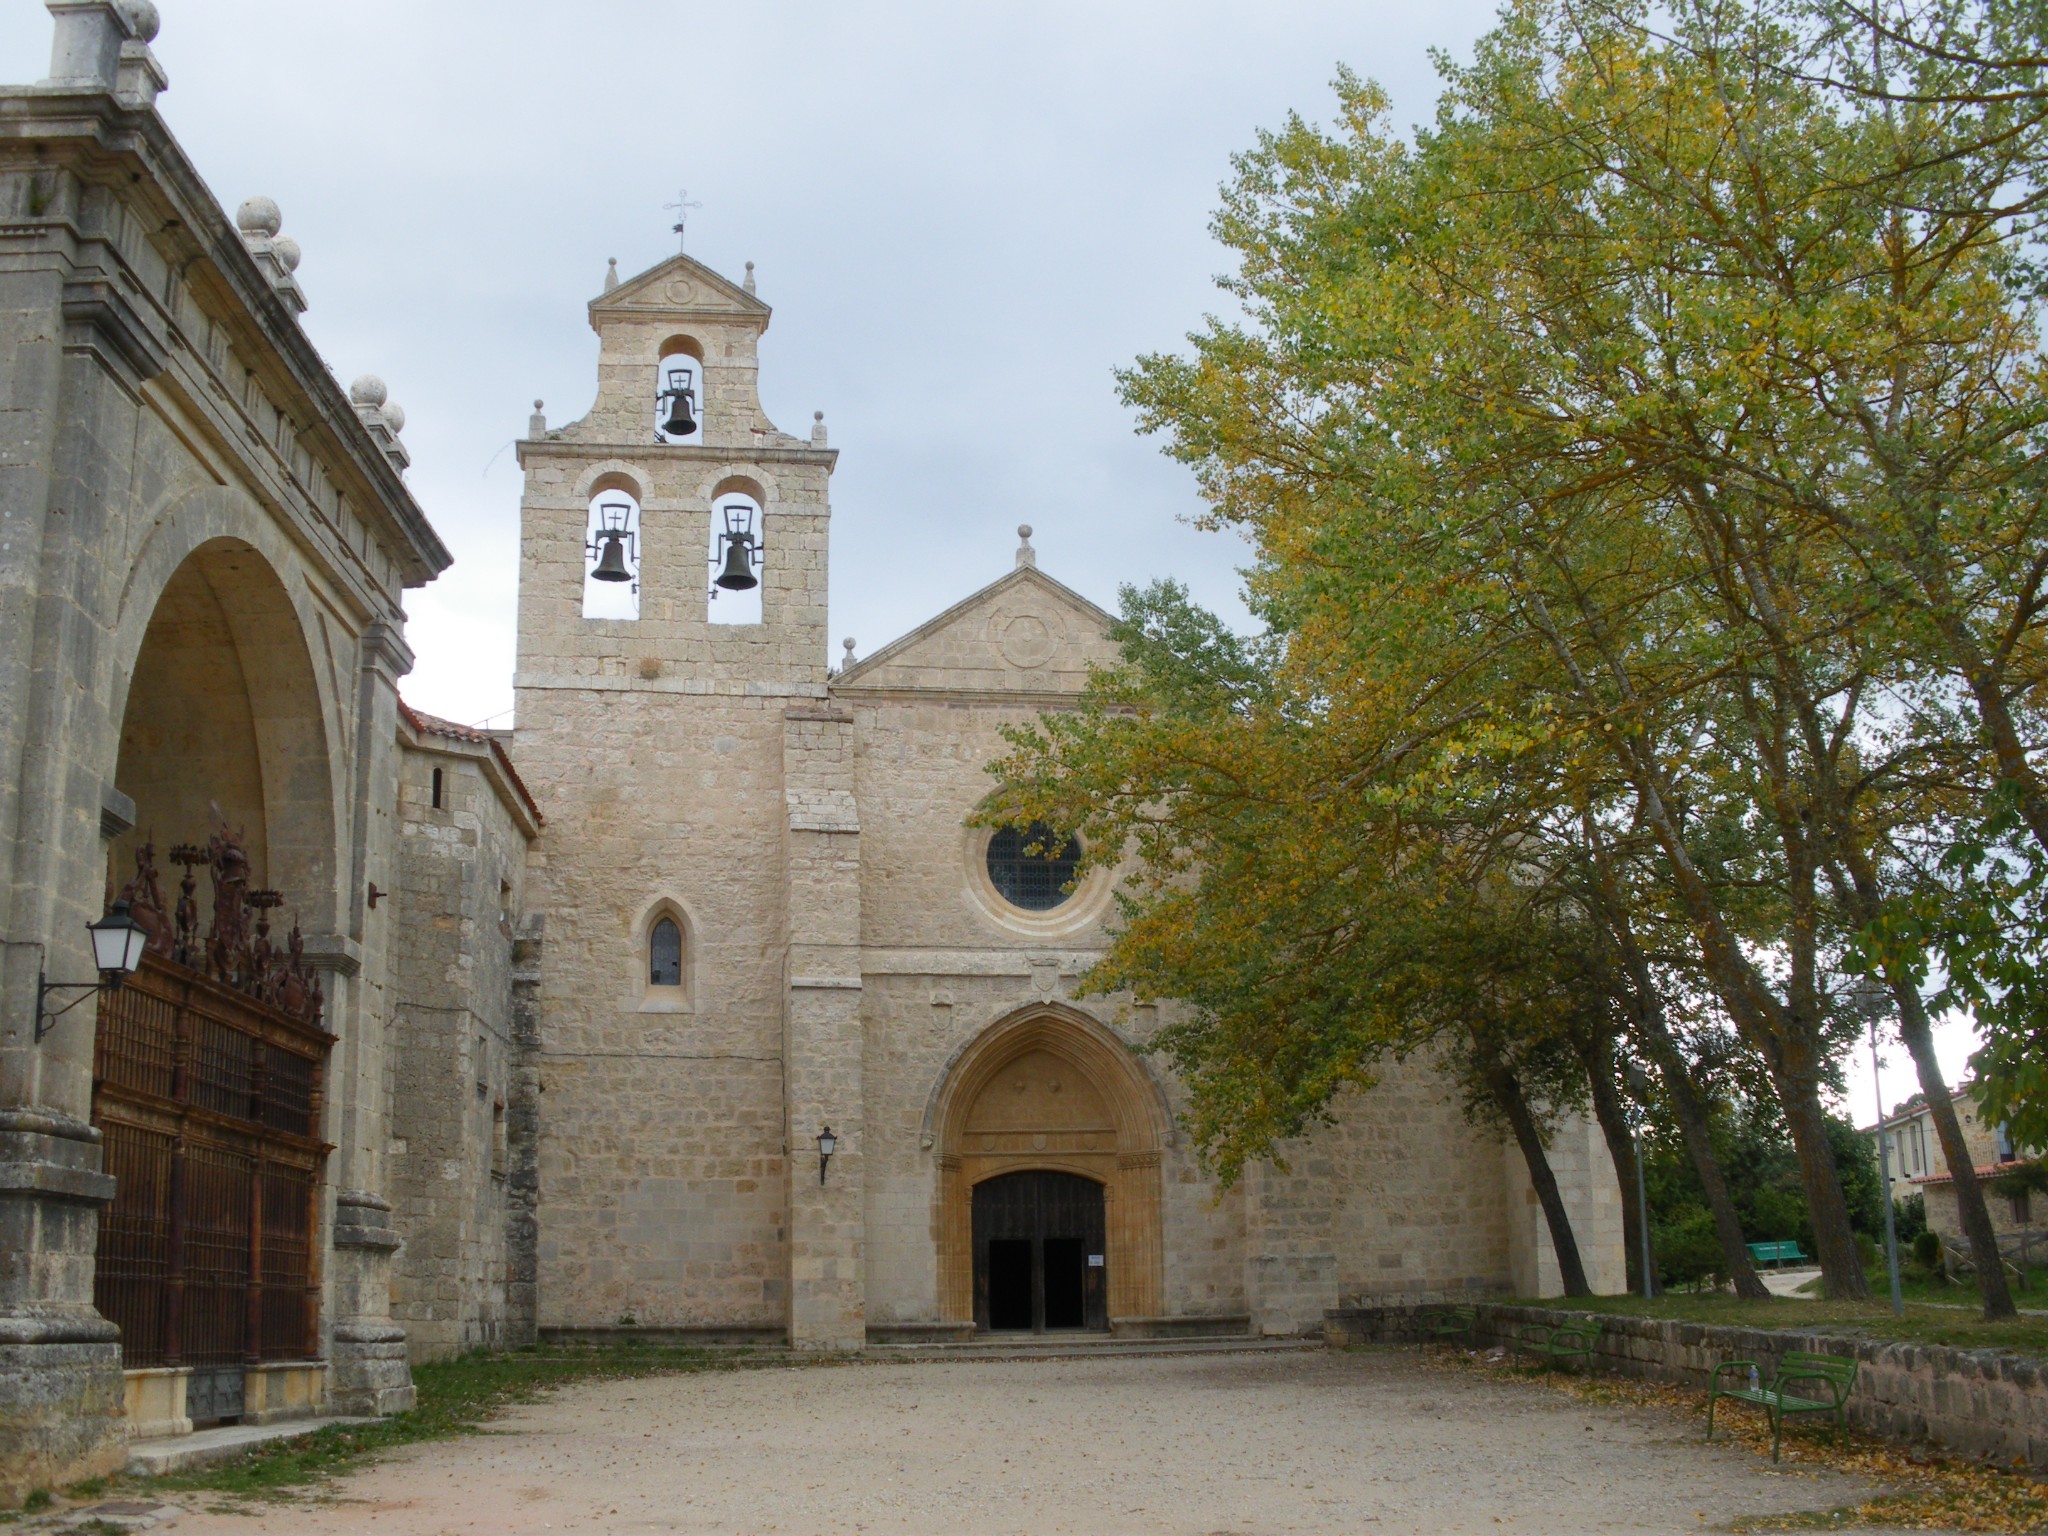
{"x":739,"y":550}
{"x":117,"y":944}
{"x":678,"y":402}
{"x":827,"y":1145}
{"x":612,"y":544}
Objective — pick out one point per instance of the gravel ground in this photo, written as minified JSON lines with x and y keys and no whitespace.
{"x":1217,"y":1445}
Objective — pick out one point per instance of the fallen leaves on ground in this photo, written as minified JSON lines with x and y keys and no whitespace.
{"x":1929,"y":1491}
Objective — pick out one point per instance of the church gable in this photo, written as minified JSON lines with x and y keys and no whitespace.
{"x":1026,"y":634}
{"x":681,"y":285}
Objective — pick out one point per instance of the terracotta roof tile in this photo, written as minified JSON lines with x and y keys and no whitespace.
{"x":434,"y":725}
{"x":1989,"y":1171}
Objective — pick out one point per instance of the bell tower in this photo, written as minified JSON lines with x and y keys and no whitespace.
{"x":697,"y":878}
{"x":674,"y":465}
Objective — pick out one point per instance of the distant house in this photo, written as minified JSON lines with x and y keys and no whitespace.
{"x":1919,"y":1168}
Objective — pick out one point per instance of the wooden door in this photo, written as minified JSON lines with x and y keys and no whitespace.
{"x":1039,"y":1257}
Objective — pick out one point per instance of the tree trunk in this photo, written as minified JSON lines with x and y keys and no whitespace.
{"x":1864,"y":891}
{"x":1644,"y":1004}
{"x":1696,"y":1130}
{"x":1834,"y":1242}
{"x":1787,"y":1042}
{"x":1919,"y":1038}
{"x":1507,"y":1096}
{"x":1596,"y":1055}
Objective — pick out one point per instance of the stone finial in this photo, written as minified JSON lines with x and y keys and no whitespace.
{"x":537,"y":424}
{"x":103,"y":45}
{"x":259,"y":218}
{"x":143,"y":21}
{"x":611,"y":274}
{"x":750,"y":277}
{"x":384,"y":421}
{"x":277,"y":255}
{"x":1026,"y":555}
{"x":818,"y":438}
{"x":847,"y":646}
{"x":140,"y":79}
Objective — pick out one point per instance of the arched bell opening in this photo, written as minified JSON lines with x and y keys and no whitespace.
{"x":612,"y":550}
{"x":739,"y":553}
{"x":1049,"y":1091}
{"x":209,"y":1070}
{"x":679,"y":392}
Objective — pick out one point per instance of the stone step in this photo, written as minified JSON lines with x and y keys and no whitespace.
{"x":1087,"y":1346}
{"x":203,"y":1447}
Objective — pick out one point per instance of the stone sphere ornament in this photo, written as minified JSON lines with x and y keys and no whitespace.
{"x":369,"y":391}
{"x":141,"y":17}
{"x":259,"y":216}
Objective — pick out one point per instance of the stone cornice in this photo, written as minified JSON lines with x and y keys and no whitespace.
{"x":878,"y":693}
{"x":559,"y":682}
{"x":791,"y":451}
{"x":133,"y":154}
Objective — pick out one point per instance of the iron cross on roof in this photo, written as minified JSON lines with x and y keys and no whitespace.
{"x":681,"y":209}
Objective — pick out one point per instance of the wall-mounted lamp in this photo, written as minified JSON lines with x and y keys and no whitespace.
{"x":827,"y":1145}
{"x":117,"y":944}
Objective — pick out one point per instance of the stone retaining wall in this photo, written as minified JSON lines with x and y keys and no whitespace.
{"x":1977,"y":1401}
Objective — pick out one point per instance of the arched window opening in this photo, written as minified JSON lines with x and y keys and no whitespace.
{"x":437,"y":789}
{"x":665,"y":954}
{"x":679,"y":392}
{"x":738,"y":556}
{"x":1033,"y":867}
{"x":611,"y":546}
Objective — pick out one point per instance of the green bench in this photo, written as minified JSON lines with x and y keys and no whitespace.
{"x":1573,"y":1340}
{"x":1776,"y":1253}
{"x":1442,"y":1323}
{"x":1835,"y":1373}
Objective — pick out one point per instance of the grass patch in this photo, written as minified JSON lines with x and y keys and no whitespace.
{"x":1918,"y":1285}
{"x":455,"y":1397}
{"x":1863,"y":1319}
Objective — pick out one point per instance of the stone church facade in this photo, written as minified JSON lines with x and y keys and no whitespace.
{"x":691,"y":1005}
{"x":849,"y":961}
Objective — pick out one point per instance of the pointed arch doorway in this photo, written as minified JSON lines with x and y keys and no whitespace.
{"x":1049,"y":1136}
{"x":1040,"y":1260}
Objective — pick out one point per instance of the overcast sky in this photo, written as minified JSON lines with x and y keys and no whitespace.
{"x":965,"y":216}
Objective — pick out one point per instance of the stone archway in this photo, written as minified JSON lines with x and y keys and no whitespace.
{"x":224,"y":710}
{"x":224,"y":705}
{"x":210,"y":1065}
{"x":1051,"y":1089}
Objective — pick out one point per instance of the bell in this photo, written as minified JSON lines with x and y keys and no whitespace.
{"x":611,"y":565}
{"x":680,"y":422}
{"x":738,"y":575}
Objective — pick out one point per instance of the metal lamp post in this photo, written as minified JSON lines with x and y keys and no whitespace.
{"x":1639,"y":1090}
{"x":1869,"y":998}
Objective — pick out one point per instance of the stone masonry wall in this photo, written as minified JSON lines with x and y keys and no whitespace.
{"x":1363,"y":1210}
{"x":1976,"y":1401}
{"x":456,"y":1062}
{"x":662,"y":1155}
